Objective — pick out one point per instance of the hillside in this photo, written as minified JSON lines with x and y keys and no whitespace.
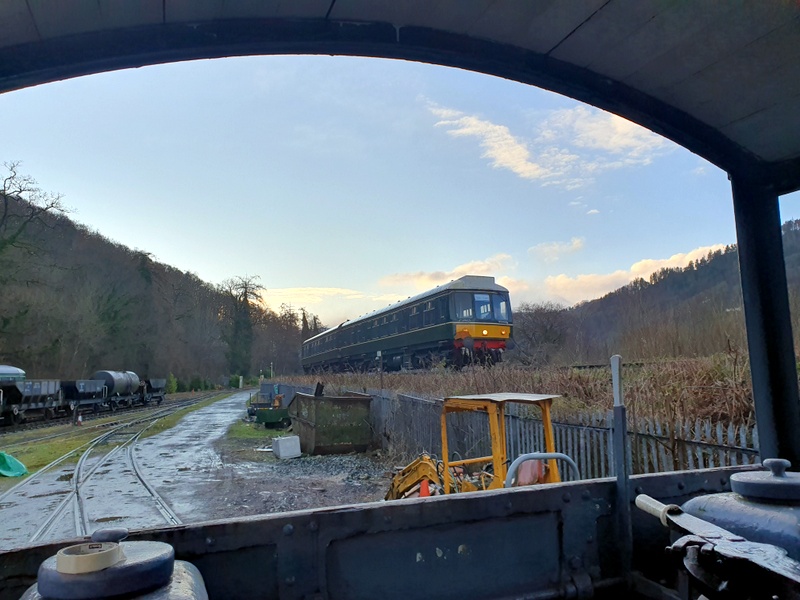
{"x":681,"y":312}
{"x":74,"y":302}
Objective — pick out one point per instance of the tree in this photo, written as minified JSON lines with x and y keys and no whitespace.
{"x":305,"y":329}
{"x":23,"y":203}
{"x":242,"y":295}
{"x":539,"y":331}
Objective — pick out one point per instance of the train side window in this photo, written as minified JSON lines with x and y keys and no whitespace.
{"x":443,"y":309}
{"x":415,"y":320}
{"x":429,"y":317}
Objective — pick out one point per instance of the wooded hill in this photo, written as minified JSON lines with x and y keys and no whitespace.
{"x":73,"y":302}
{"x":681,"y":312}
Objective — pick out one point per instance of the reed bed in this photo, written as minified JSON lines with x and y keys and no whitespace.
{"x":716,"y":388}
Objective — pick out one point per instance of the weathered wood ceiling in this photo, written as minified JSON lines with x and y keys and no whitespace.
{"x":720,"y":77}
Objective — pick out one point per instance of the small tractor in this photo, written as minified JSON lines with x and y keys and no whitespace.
{"x":427,"y":476}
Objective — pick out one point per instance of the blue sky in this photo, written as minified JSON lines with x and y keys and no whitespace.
{"x":346,"y":184}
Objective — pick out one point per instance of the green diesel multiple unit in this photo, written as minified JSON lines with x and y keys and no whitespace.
{"x":465,"y":321}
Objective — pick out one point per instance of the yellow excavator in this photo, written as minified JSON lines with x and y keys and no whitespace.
{"x":427,"y":476}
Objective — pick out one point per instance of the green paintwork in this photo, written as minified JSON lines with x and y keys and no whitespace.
{"x":271,"y":416}
{"x":332,"y":424}
{"x":432,"y":334}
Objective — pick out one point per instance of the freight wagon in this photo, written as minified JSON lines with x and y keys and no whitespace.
{"x":22,"y":399}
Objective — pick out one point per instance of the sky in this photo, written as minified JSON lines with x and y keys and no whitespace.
{"x":346,"y":184}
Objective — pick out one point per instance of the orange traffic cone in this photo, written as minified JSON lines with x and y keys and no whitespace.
{"x":424,"y":489}
{"x":80,"y":419}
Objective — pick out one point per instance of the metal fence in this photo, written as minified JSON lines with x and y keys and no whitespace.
{"x":404,"y":426}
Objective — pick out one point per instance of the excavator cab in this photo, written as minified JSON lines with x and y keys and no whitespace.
{"x":456,"y":473}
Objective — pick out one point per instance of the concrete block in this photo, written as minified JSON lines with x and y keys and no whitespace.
{"x":286,"y":447}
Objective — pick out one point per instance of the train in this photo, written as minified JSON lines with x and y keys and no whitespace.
{"x":22,"y":399}
{"x":466,"y":321}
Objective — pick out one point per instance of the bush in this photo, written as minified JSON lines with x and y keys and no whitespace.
{"x":172,"y":384}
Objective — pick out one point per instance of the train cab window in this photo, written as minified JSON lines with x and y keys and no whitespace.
{"x":483,"y":307}
{"x":463,"y":310}
{"x":502,"y":310}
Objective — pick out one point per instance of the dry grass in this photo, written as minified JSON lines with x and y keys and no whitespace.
{"x":716,"y":388}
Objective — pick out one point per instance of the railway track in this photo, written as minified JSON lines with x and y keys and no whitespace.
{"x":69,"y":498}
{"x":86,"y":416}
{"x":122,"y":418}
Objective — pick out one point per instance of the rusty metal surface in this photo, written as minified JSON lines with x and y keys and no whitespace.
{"x":548,"y":541}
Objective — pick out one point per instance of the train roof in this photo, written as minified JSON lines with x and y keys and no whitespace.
{"x":467,"y":282}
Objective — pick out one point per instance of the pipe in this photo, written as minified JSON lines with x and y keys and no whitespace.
{"x":512,"y":470}
{"x":621,"y":467}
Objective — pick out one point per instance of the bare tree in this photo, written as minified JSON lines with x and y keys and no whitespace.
{"x":539,"y":331}
{"x":243,"y":298}
{"x":23,"y":203}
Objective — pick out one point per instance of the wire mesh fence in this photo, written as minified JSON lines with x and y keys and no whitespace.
{"x":405,"y":426}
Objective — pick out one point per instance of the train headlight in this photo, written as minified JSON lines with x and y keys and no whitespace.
{"x":502,"y":332}
{"x":485,"y":332}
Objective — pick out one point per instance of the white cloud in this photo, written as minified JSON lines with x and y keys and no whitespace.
{"x":307,"y":296}
{"x":571,"y":290}
{"x":594,"y":211}
{"x":597,"y":130}
{"x":332,"y":305}
{"x":503,"y":149}
{"x":589,"y":286}
{"x":572,"y":147}
{"x":514,"y":286}
{"x":552,"y":251}
{"x":425,"y":280}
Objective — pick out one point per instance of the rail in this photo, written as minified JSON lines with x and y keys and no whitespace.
{"x":80,"y":475}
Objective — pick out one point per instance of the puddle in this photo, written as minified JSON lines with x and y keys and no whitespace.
{"x":65,"y":477}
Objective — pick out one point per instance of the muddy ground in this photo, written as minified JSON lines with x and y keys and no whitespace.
{"x":206,"y":467}
{"x":204,"y":472}
{"x":251,"y":482}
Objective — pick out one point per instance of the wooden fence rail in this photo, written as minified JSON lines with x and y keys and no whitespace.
{"x":405,"y":426}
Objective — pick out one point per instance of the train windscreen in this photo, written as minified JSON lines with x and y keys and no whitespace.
{"x":481,"y":306}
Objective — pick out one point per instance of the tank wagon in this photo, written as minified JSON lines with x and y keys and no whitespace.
{"x":22,"y":399}
{"x":465,"y":321}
